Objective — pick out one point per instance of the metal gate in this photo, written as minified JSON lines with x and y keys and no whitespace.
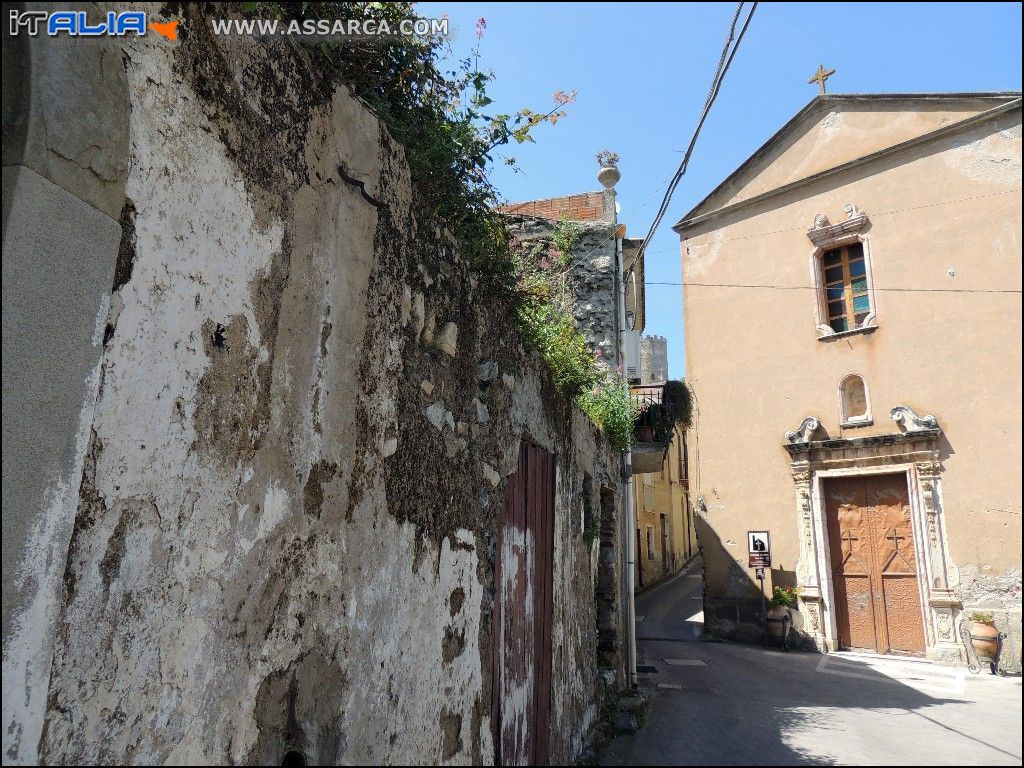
{"x":874,"y":568}
{"x":521,"y":700}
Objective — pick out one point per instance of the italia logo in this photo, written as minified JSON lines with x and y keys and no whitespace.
{"x":77,"y":24}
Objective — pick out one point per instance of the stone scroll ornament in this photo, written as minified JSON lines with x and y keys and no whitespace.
{"x":825,"y":234}
{"x":911,"y":422}
{"x":805,"y":431}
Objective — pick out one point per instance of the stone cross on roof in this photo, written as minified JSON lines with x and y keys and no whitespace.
{"x":821,"y":76}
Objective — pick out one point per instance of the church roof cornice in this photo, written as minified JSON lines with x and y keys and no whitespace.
{"x":1007,"y":102}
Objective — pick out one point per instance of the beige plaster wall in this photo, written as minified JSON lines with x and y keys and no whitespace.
{"x":756,"y":366}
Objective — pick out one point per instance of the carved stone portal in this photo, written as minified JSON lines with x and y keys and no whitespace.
{"x":913,"y":451}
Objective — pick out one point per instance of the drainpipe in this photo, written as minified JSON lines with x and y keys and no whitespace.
{"x":627,"y":468}
{"x":609,"y":176}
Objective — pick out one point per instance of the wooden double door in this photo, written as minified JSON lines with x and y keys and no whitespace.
{"x":874,"y":565}
{"x":521,"y":687}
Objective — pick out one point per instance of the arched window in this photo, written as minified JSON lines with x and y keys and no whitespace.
{"x":854,"y":403}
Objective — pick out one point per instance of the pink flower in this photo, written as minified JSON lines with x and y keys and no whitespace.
{"x":481,"y":25}
{"x":598,"y":353}
{"x":545,"y":263}
{"x":619,"y":370}
{"x":562,"y":98}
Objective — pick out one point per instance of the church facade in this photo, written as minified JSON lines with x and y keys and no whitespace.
{"x":852,"y":302}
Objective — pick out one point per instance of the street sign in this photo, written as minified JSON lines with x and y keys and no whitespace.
{"x":759,"y":572}
{"x":759,"y":549}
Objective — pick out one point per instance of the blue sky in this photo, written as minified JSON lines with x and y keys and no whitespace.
{"x":642,"y":72}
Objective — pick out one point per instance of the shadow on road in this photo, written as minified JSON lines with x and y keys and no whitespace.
{"x":728,"y":703}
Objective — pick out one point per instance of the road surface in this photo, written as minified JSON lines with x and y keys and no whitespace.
{"x":733,"y":704}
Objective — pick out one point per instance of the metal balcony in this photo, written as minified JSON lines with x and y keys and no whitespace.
{"x":654,"y":427}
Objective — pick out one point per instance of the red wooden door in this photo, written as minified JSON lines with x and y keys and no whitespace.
{"x":521,"y":700}
{"x":874,"y":567}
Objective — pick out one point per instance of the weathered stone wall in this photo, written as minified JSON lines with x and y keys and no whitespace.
{"x":283,"y":510}
{"x":589,"y":281}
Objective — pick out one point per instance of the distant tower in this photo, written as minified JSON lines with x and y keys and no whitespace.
{"x":653,"y":359}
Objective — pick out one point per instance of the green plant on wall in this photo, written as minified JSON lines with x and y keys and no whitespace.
{"x":609,"y":405}
{"x":566,"y":235}
{"x":446,"y":122}
{"x":555,"y":335}
{"x":548,"y":325}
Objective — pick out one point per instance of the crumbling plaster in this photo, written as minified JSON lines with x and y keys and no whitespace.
{"x":274,"y":545}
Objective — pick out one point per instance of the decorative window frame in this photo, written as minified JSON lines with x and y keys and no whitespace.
{"x":863,"y":420}
{"x":826,"y":236}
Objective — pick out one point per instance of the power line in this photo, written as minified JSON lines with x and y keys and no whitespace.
{"x":728,"y":53}
{"x":815,"y":288}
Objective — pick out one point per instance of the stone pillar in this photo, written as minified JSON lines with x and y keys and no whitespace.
{"x":943,"y":601}
{"x":808,"y":585}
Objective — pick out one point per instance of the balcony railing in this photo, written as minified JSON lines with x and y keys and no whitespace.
{"x":654,"y":425}
{"x":656,"y":420}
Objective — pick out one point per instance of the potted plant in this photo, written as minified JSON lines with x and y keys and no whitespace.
{"x":783,"y":598}
{"x":609,"y":173}
{"x":984,"y":635}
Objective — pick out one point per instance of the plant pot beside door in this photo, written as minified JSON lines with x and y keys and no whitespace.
{"x":779,"y":618}
{"x":984,"y":636}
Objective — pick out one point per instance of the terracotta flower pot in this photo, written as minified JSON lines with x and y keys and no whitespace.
{"x":776,"y":628}
{"x":984,"y":638}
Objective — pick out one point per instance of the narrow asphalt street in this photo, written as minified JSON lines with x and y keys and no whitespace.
{"x":725,"y":703}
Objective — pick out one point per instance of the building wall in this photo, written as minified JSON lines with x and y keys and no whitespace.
{"x":664,"y":493}
{"x":271,"y":515}
{"x":946,"y":217}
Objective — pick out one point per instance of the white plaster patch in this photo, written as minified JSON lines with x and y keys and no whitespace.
{"x":275,"y":508}
{"x":994,"y":158}
{"x":490,"y":474}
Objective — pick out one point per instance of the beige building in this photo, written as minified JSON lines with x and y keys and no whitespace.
{"x":853,"y":339}
{"x":665,"y":534}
